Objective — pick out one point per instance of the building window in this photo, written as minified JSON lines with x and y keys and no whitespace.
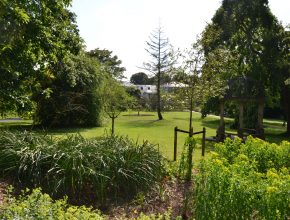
{"x":141,"y":87}
{"x":148,"y":88}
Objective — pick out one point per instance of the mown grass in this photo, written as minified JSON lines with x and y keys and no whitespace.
{"x":160,"y":132}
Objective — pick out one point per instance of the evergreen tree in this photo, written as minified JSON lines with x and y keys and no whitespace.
{"x":159,"y":49}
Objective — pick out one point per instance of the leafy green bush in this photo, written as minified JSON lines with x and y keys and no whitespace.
{"x":265,"y":155}
{"x":91,"y":170}
{"x":69,"y":95}
{"x":244,"y":181}
{"x":165,"y":216}
{"x":38,"y":205}
{"x":185,"y":165}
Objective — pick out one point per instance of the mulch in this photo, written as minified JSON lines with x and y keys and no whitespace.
{"x":158,"y":201}
{"x":3,"y":189}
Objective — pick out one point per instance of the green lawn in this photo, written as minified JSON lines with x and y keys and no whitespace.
{"x":159,"y":132}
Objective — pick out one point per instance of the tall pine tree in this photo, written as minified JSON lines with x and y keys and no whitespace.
{"x":159,"y":49}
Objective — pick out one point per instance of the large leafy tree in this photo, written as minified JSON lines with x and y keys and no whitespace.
{"x":111,"y":64}
{"x":34,"y":36}
{"x":159,"y":49}
{"x":73,"y":96}
{"x":140,"y":79}
{"x":286,"y":71}
{"x":245,"y":39}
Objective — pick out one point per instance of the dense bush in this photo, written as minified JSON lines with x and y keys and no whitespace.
{"x":91,"y":170}
{"x":70,"y":96}
{"x":41,"y":206}
{"x":262,"y":154}
{"x":244,"y":181}
{"x":38,"y":205}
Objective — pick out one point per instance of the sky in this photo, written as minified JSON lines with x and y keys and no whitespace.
{"x":124,"y":26}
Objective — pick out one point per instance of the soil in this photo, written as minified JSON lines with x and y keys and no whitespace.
{"x":3,"y":189}
{"x":170,"y":196}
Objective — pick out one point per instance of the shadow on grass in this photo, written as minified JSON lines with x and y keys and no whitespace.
{"x":16,"y":125}
{"x":277,"y":138}
{"x":214,"y":123}
{"x":146,"y":123}
{"x":210,"y":123}
{"x":28,"y":126}
{"x":136,"y":115}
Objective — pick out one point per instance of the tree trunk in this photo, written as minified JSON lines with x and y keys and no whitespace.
{"x":113,"y":125}
{"x":287,"y":110}
{"x":159,"y":96}
{"x":288,"y":120}
{"x":190,"y":114}
{"x":159,"y":79}
{"x":260,"y":128}
{"x":241,"y":120}
{"x":221,"y":129}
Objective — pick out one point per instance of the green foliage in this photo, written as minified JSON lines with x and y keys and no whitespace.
{"x":38,"y":205}
{"x":210,"y":106}
{"x":94,"y":170}
{"x":35,"y":204}
{"x":34,"y":36}
{"x":263,"y":154}
{"x":245,"y":39}
{"x":111,"y":64}
{"x":115,"y":99}
{"x":185,"y":166}
{"x":140,"y":79}
{"x":165,"y":216}
{"x":136,"y":102}
{"x":70,"y":94}
{"x":171,"y":102}
{"x":244,"y":181}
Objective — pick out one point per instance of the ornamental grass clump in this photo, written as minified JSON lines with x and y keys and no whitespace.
{"x":86,"y":170}
{"x":244,"y":181}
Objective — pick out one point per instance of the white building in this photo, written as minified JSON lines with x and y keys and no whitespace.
{"x":170,"y":87}
{"x":147,"y":90}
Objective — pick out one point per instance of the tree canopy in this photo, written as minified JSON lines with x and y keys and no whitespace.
{"x":115,"y":99}
{"x":140,"y":79}
{"x":34,"y":35}
{"x":245,"y":39}
{"x":248,"y":37}
{"x":111,"y":64}
{"x":73,"y":96}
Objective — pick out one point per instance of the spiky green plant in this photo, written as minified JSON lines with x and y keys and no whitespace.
{"x":86,"y":170}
